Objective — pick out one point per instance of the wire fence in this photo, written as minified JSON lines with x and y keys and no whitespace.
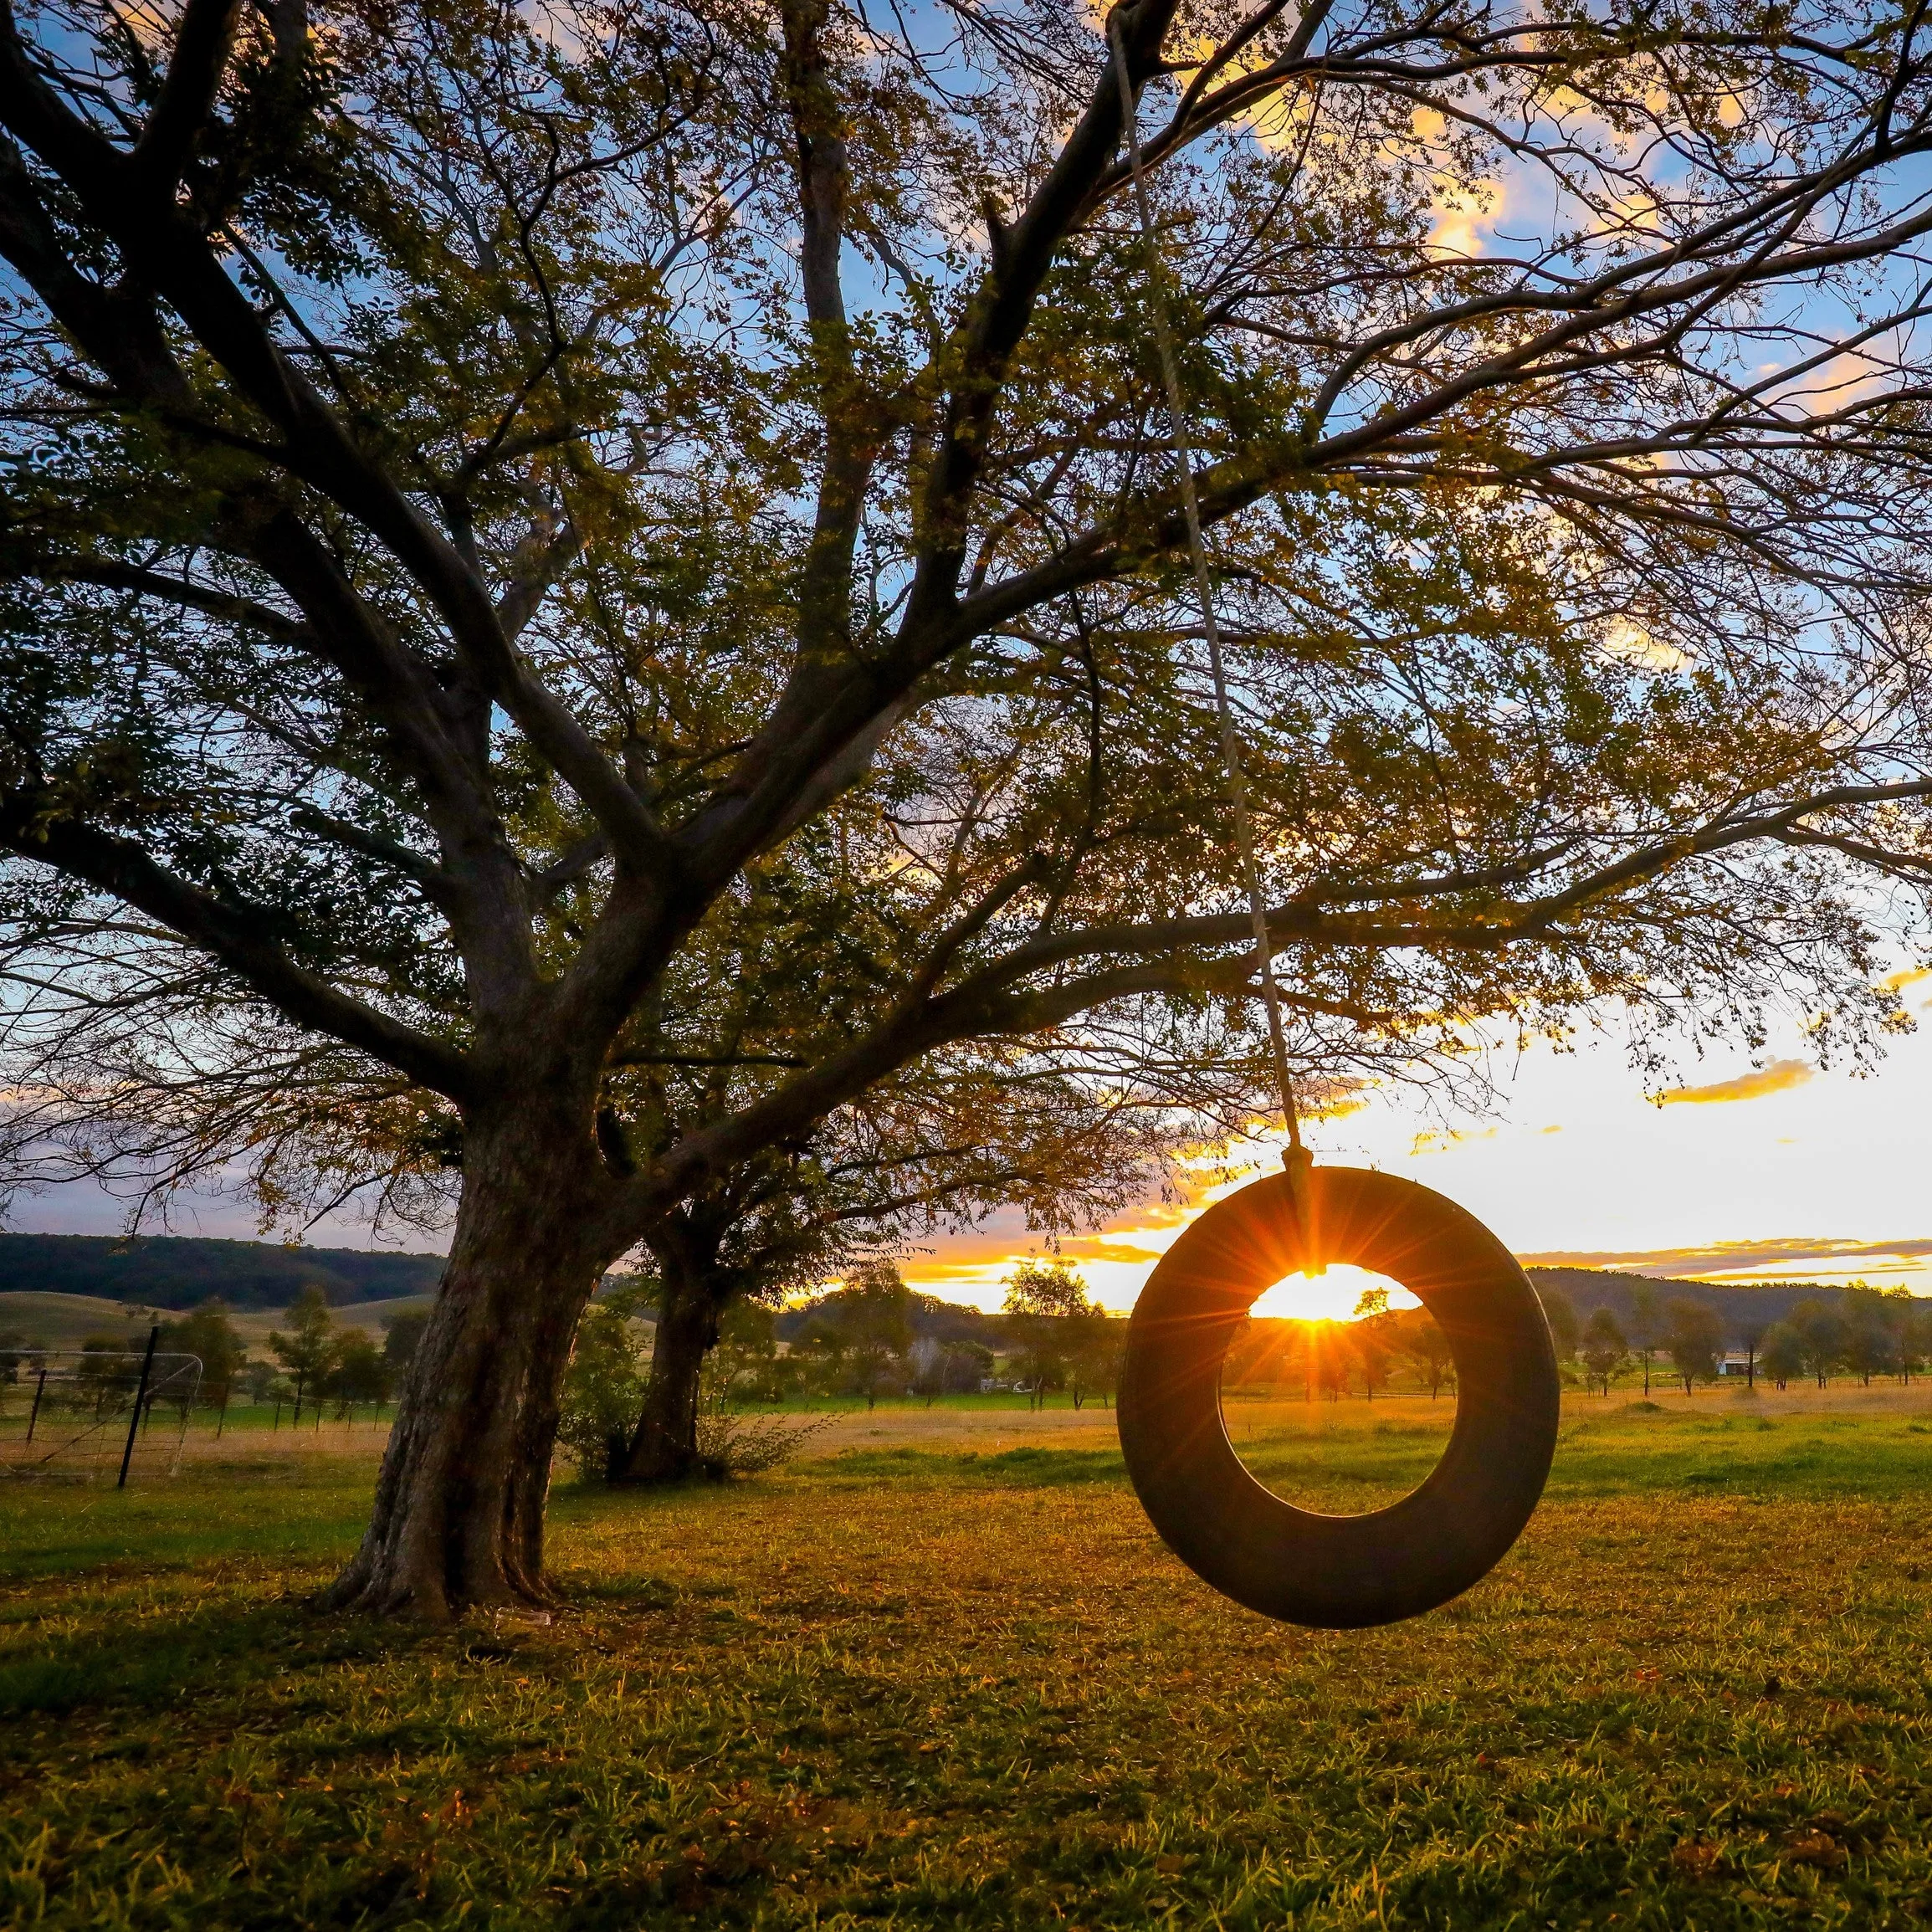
{"x":96,"y":1414}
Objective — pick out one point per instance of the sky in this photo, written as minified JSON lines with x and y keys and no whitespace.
{"x":1768,"y":1170}
{"x":1771,"y":1169}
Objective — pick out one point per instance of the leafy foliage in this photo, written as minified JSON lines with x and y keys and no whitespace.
{"x":208,"y":1334}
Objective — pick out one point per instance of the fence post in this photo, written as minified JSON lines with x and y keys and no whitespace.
{"x":39,"y":1390}
{"x":140,"y":1396}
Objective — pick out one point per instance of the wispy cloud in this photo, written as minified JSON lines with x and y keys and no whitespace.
{"x":1785,"y":1257}
{"x":1772,"y":1079}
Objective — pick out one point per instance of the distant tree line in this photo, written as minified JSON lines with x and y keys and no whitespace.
{"x":1382,"y":1351}
{"x":1856,"y":1332}
{"x":182,"y":1272}
{"x":870,"y":1338}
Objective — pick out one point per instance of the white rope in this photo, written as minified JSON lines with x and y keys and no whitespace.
{"x":1295,"y":1158}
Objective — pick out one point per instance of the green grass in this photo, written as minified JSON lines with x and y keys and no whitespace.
{"x":66,"y":1320}
{"x":909,"y":1688}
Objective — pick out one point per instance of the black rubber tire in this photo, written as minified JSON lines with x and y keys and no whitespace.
{"x":1339,"y":1572}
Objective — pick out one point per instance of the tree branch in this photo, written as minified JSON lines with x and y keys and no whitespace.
{"x":237,"y":936}
{"x":201,"y":46}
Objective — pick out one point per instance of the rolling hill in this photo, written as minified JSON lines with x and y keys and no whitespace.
{"x":1736,"y":1305}
{"x":67,"y":1321}
{"x":179,"y":1271}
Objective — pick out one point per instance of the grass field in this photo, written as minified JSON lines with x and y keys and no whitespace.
{"x":945,"y":1677}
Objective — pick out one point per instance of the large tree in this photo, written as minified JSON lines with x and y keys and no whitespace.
{"x":500,"y":497}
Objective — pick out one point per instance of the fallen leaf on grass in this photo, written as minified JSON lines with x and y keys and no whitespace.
{"x":1815,"y":1849}
{"x":1694,"y":1860}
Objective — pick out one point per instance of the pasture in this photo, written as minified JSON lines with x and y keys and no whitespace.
{"x":940,"y":1673}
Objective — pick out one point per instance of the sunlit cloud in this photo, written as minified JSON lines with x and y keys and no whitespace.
{"x":1441,"y":1142}
{"x":1772,"y":1079}
{"x":1793,"y":1257}
{"x":1630,"y":643}
{"x":1115,"y":1261}
{"x":1464,"y":214}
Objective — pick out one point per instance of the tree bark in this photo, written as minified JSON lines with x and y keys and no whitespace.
{"x":692,"y":1299}
{"x":459,"y":1503}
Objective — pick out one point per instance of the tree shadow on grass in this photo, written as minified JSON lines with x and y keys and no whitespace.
{"x":218,"y":1649}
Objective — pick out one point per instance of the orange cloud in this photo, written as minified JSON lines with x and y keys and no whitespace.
{"x":1772,"y":1079}
{"x":1793,"y":1255}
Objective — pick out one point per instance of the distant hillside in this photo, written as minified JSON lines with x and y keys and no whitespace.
{"x":67,"y":1320}
{"x":178,"y":1271}
{"x":1589,"y":1288}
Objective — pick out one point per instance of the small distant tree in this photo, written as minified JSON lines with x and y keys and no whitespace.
{"x":925,"y":1361}
{"x":1331,"y":1351}
{"x":103,"y":1363}
{"x":1420,"y":1338}
{"x":1604,"y":1348}
{"x":1101,"y":1347}
{"x":603,"y":1390}
{"x":1043,"y":1301}
{"x":1825,"y":1337}
{"x":1693,"y":1335}
{"x":745,"y":1358}
{"x":1784,"y":1354}
{"x":208,"y":1334}
{"x":1750,"y":1331}
{"x":1914,"y":1335}
{"x":967,"y":1365}
{"x":1565,"y":1331}
{"x":1374,"y":1338}
{"x":1257,"y":1353}
{"x":864,"y":1327}
{"x":13,"y":1347}
{"x":1645,"y":1329}
{"x":1871,"y":1346}
{"x":401,"y":1336}
{"x":307,"y":1350}
{"x":357,"y":1372}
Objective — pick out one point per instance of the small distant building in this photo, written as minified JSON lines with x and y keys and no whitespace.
{"x":1734,"y":1362}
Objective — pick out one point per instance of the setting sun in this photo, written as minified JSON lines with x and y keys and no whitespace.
{"x":1329,"y":1296}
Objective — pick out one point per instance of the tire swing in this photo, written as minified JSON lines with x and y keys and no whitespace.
{"x":1329,"y":1572}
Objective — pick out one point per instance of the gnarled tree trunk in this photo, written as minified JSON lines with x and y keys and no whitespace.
{"x":691,"y":1302}
{"x":459,"y":1503}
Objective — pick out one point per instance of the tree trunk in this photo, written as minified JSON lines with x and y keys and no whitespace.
{"x":459,"y":1503}
{"x":664,"y":1449}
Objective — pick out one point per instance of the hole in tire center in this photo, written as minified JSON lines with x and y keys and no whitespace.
{"x":1326,"y":1392}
